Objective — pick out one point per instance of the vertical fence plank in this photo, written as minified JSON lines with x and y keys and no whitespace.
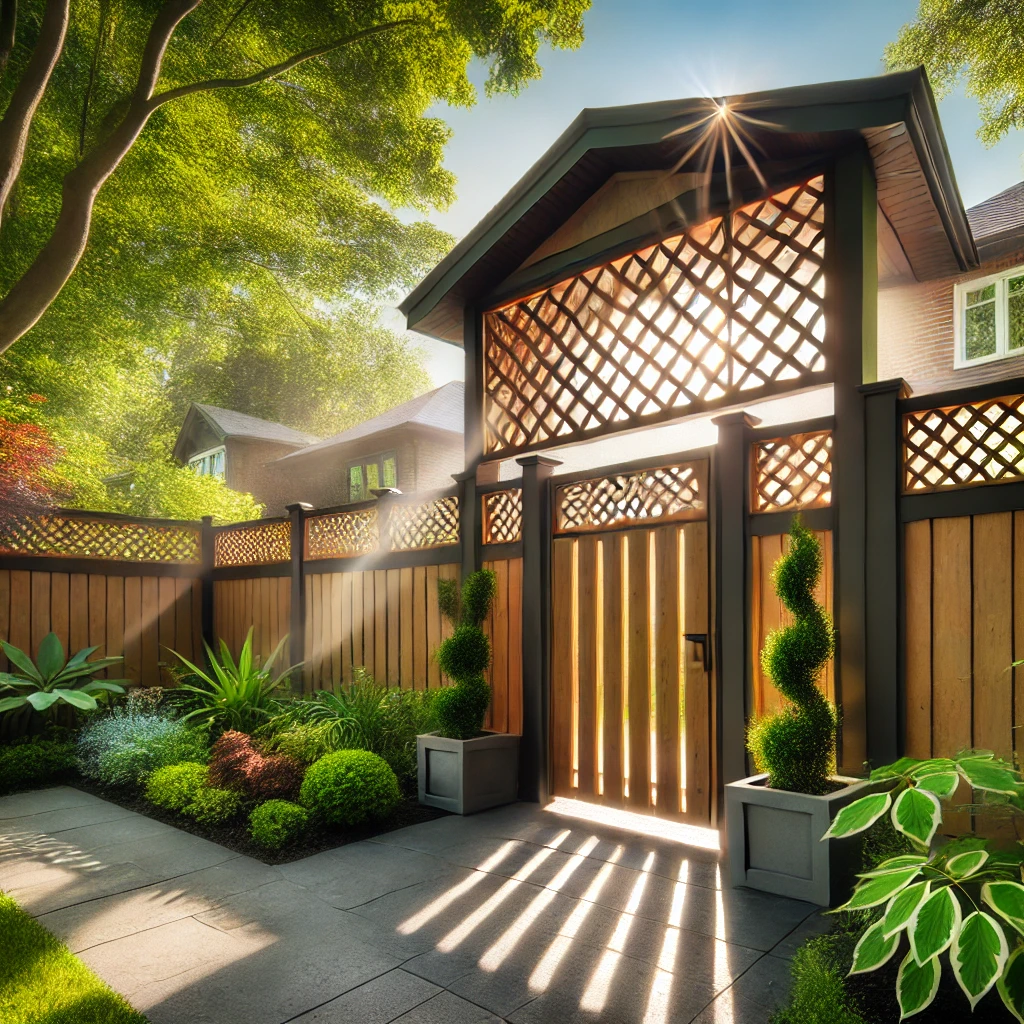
{"x":639,"y":666}
{"x":98,"y":614}
{"x":917,"y":573}
{"x":40,"y":610}
{"x":824,"y":595}
{"x":268,"y":596}
{"x":563,"y":664}
{"x":284,"y":609}
{"x":150,"y":672}
{"x":133,"y":628}
{"x":334,"y":629}
{"x":78,"y":627}
{"x":697,"y":711}
{"x":358,"y":655}
{"x":499,"y":675}
{"x":666,"y":641}
{"x":419,"y":627}
{"x":405,"y":626}
{"x":433,"y":629}
{"x":5,"y":613}
{"x":21,"y":608}
{"x":488,"y":627}
{"x":166,"y":624}
{"x":588,"y":609}
{"x":115,"y":624}
{"x":515,"y":645}
{"x":768,"y":551}
{"x":347,"y":662}
{"x":60,"y":597}
{"x":380,"y":626}
{"x":196,"y":640}
{"x":613,"y":643}
{"x":1018,"y":628}
{"x":307,"y":669}
{"x":369,"y":622}
{"x":394,"y":631}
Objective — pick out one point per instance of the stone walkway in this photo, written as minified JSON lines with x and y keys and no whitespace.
{"x":519,"y":914}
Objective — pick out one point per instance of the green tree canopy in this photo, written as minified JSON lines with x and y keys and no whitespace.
{"x":979,"y":43}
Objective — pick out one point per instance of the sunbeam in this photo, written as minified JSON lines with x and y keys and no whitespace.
{"x":641,"y":824}
{"x":657,"y":1011}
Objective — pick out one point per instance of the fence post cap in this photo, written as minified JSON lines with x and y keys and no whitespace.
{"x":882,"y":387}
{"x":538,"y":460}
{"x":384,"y":492}
{"x":299,"y":506}
{"x":728,"y":419}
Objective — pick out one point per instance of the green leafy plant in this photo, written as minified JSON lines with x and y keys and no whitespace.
{"x":277,"y":823}
{"x":124,"y":747}
{"x":185,"y":788}
{"x":51,"y":679}
{"x":213,"y":806}
{"x":235,"y":695}
{"x":237,"y":763}
{"x":796,"y":746}
{"x":465,"y":655}
{"x":349,"y":787}
{"x":931,"y":901}
{"x":35,"y":762}
{"x":305,"y":743}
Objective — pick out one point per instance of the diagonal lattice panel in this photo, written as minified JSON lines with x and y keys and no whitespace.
{"x":731,"y":305}
{"x":263,"y":544}
{"x":792,"y":472}
{"x":427,"y":524}
{"x":342,"y":534}
{"x":70,"y":536}
{"x":960,"y":445}
{"x":664,"y":493}
{"x":502,"y":520}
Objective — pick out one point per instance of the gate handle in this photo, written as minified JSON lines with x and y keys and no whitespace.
{"x":705,"y":650}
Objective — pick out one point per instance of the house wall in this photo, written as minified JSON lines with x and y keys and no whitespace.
{"x":246,"y":469}
{"x":916,"y":334}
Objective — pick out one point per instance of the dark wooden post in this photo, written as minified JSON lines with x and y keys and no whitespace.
{"x":385,"y":496}
{"x":731,"y":473}
{"x":297,"y":630}
{"x":852,"y":325}
{"x":206,"y":540}
{"x":882,"y":567}
{"x":534,"y":747}
{"x":469,"y":521}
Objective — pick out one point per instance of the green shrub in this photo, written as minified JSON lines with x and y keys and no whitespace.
{"x":278,"y":823}
{"x":349,"y":787}
{"x":796,"y":745}
{"x":34,"y":763}
{"x":819,"y":995}
{"x":305,"y":743}
{"x":124,"y":747}
{"x":464,"y":656}
{"x":176,"y":785}
{"x":212,"y":806}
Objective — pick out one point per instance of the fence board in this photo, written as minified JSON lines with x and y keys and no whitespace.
{"x":40,"y":610}
{"x":515,"y":645}
{"x":697,"y":705}
{"x":60,"y":596}
{"x":114,"y":645}
{"x":1018,"y":627}
{"x":133,"y":628}
{"x":394,"y":634}
{"x":614,"y":636}
{"x":563,"y":664}
{"x":419,"y":627}
{"x":405,"y":626}
{"x":588,"y":610}
{"x":78,"y":630}
{"x":639,"y":667}
{"x":5,"y":613}
{"x":667,"y":671}
{"x":433,"y":628}
{"x":380,"y":624}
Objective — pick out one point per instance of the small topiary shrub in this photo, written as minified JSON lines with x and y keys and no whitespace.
{"x":796,"y":746}
{"x":34,"y":763}
{"x":277,"y":823}
{"x":176,"y":785}
{"x":303,"y":743}
{"x":124,"y":747}
{"x":235,"y":763}
{"x":213,"y":806}
{"x":819,"y":994}
{"x":349,"y":787}
{"x":464,"y":656}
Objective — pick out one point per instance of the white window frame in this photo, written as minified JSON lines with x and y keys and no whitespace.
{"x":960,"y":291}
{"x":200,"y":457}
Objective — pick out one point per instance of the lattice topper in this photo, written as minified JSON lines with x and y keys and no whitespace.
{"x":695,"y":320}
{"x":667,"y":493}
{"x":68,"y":536}
{"x":428,"y":524}
{"x":961,"y":445}
{"x":342,"y":534}
{"x":503,"y":516}
{"x":263,"y":544}
{"x":793,"y":472}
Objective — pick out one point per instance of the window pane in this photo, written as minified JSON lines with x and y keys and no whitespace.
{"x":355,"y":483}
{"x":390,"y":471}
{"x":980,"y":331}
{"x":372,"y":476}
{"x":218,"y":464}
{"x":1015,"y":317}
{"x":1015,"y":284}
{"x":982,"y":295}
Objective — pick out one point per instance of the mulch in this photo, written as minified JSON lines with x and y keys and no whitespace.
{"x":235,"y":836}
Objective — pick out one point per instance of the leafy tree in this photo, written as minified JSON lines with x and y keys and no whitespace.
{"x":27,"y":453}
{"x":977,"y":42}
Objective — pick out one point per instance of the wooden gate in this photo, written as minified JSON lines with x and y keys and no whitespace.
{"x":632,"y":716}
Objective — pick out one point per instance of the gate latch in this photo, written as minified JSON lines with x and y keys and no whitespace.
{"x":705,"y":649}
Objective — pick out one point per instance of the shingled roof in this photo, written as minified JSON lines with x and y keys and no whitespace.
{"x":998,"y":223}
{"x":441,"y":409}
{"x":227,"y":423}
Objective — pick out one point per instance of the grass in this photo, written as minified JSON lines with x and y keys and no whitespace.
{"x":42,"y":982}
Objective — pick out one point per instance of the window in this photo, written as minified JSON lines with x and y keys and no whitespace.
{"x":990,"y":318}
{"x":209,"y":463}
{"x":366,"y":476}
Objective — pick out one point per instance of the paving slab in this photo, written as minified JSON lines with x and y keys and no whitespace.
{"x":379,"y":1001}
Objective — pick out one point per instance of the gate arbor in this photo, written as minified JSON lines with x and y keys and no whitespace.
{"x":631,"y":708}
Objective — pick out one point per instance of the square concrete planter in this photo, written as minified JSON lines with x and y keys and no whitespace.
{"x":464,"y":776}
{"x":775,"y":843}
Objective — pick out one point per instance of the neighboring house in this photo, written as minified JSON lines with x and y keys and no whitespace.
{"x":237,"y":447}
{"x":963,"y":329}
{"x":416,"y":446}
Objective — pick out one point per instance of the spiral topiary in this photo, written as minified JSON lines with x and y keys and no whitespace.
{"x":465,"y":655}
{"x":796,"y":745}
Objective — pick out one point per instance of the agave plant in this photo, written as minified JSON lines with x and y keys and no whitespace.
{"x":235,"y":695}
{"x":53,"y":680}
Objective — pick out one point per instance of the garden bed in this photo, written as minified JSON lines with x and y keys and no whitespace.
{"x":235,"y":836}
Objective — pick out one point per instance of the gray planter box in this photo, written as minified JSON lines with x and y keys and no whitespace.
{"x":774,"y":839}
{"x":465,"y":776}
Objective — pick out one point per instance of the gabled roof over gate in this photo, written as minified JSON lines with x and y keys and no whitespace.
{"x":894,"y":114}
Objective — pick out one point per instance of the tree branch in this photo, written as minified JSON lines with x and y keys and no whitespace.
{"x":278,"y":69}
{"x":8,"y":24}
{"x":93,"y":70}
{"x":234,"y":17}
{"x":18,"y":118}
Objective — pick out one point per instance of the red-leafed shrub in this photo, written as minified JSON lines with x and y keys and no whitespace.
{"x":27,"y":452}
{"x":236,"y":763}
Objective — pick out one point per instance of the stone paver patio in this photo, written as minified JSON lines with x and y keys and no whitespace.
{"x":519,"y":914}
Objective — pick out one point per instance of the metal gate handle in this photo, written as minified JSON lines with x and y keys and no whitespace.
{"x":705,"y":650}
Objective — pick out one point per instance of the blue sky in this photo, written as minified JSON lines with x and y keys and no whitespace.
{"x":656,"y":49}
